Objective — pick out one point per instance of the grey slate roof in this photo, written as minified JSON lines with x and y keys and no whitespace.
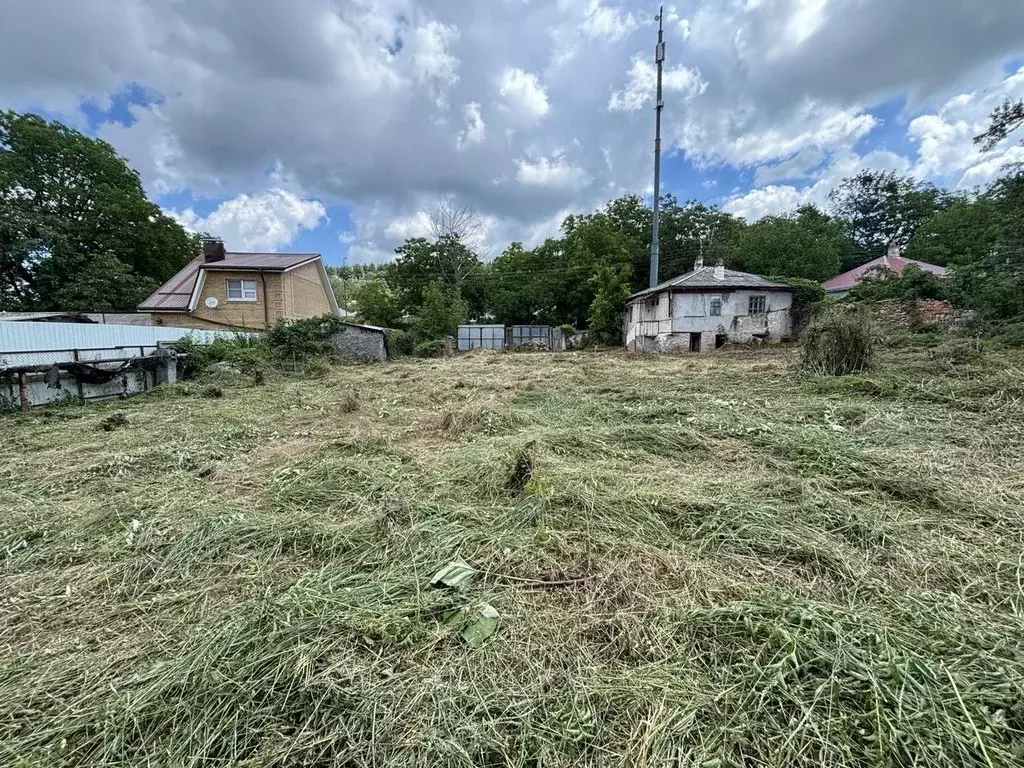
{"x":704,"y":279}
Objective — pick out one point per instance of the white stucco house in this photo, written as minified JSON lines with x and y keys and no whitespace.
{"x":705,"y":308}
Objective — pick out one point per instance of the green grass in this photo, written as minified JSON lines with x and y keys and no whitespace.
{"x":714,"y":561}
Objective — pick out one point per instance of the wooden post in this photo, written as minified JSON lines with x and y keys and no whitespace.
{"x":23,"y":391}
{"x":78,"y":379}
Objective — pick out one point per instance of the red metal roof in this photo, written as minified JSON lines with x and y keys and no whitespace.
{"x":175,"y":294}
{"x":897,"y":264}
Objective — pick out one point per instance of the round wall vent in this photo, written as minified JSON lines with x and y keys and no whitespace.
{"x":211,"y":302}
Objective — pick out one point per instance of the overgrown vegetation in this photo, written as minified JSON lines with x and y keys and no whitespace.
{"x":838,"y":342}
{"x":683,"y":561}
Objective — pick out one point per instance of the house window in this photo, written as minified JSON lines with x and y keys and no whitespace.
{"x":241,"y":290}
{"x":756,"y":306}
{"x":670,"y":305}
{"x":716,"y":306}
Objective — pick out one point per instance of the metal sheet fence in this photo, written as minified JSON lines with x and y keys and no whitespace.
{"x":481,"y":337}
{"x":498,"y":337}
{"x":39,"y":343}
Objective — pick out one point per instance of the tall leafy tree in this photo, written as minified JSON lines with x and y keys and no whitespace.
{"x":786,"y":246}
{"x":447,"y":261}
{"x":879,"y":209}
{"x":440,"y":312}
{"x":611,"y":290}
{"x":1004,"y":120}
{"x":964,"y":233}
{"x":76,"y":204}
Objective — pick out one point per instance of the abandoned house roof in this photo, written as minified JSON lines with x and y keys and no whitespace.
{"x":176,"y":293}
{"x":897,"y":264}
{"x":714,"y":278}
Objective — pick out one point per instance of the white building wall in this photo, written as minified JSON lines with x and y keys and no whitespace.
{"x":652,"y":325}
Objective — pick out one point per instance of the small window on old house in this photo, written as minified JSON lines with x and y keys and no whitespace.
{"x":716,"y":306}
{"x":241,"y":290}
{"x":756,"y":306}
{"x":670,"y":305}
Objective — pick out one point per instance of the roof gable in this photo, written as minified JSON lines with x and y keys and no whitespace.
{"x":176,"y":294}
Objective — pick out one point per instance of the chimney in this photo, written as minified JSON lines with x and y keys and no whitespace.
{"x":719,"y":270}
{"x":213,"y":250}
{"x":699,"y":263}
{"x":893,"y":253}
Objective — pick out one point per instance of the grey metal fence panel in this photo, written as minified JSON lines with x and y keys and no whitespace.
{"x":481,"y":337}
{"x":23,"y":343}
{"x":541,"y":335}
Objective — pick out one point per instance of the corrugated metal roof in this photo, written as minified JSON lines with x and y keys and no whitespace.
{"x":174,"y":295}
{"x":704,"y":278}
{"x":897,"y":264}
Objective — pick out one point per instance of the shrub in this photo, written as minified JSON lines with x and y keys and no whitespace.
{"x":398,"y":343}
{"x":435,"y":348}
{"x":837,"y":343}
{"x":302,"y":340}
{"x":212,"y":391}
{"x":247,"y":353}
{"x":807,"y":296}
{"x":318,"y":367}
{"x":1012,"y":335}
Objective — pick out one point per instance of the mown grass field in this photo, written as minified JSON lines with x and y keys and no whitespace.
{"x":715,"y":561}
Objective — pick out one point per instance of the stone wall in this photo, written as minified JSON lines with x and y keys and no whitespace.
{"x":354,"y":341}
{"x":913,"y":314}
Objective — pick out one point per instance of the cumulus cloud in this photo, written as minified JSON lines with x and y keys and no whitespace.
{"x":263,"y":222}
{"x":416,"y":225}
{"x":557,"y":173}
{"x":476,"y":128}
{"x":606,"y":23}
{"x":523,"y":95}
{"x":642,"y":82}
{"x":380,"y":105}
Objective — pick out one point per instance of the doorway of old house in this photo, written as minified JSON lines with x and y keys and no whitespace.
{"x":721,"y":340}
{"x":695,"y":342}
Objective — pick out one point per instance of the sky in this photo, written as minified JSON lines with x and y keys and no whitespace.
{"x":335,"y":125}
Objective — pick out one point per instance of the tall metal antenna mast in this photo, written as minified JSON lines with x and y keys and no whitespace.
{"x":659,"y":59}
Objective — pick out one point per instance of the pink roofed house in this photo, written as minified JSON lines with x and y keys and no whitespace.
{"x":892,"y":261}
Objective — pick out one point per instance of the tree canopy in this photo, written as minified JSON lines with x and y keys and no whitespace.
{"x":75,"y":222}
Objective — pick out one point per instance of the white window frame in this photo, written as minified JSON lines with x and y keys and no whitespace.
{"x":245,"y":290}
{"x":761,"y":299}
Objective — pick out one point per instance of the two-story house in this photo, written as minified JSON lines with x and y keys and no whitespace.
{"x":222,"y":289}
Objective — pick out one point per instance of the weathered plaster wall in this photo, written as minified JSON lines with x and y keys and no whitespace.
{"x":671,"y":325}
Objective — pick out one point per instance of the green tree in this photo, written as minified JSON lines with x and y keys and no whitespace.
{"x":1003,"y":121}
{"x":447,"y":261}
{"x":611,"y":290}
{"x":783,"y":246}
{"x":376,"y":304}
{"x":104,"y":284}
{"x":76,"y":203}
{"x":523,"y":284}
{"x":440,"y":313}
{"x":963,"y":233}
{"x":879,"y":209}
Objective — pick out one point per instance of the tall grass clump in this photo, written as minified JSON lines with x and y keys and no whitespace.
{"x":837,"y":343}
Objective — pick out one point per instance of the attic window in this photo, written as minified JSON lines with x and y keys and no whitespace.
{"x":756,"y":306}
{"x":241,"y":290}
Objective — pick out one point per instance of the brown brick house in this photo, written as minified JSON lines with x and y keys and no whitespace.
{"x":222,"y":289}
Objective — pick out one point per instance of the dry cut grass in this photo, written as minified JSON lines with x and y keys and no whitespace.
{"x":719,"y":562}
